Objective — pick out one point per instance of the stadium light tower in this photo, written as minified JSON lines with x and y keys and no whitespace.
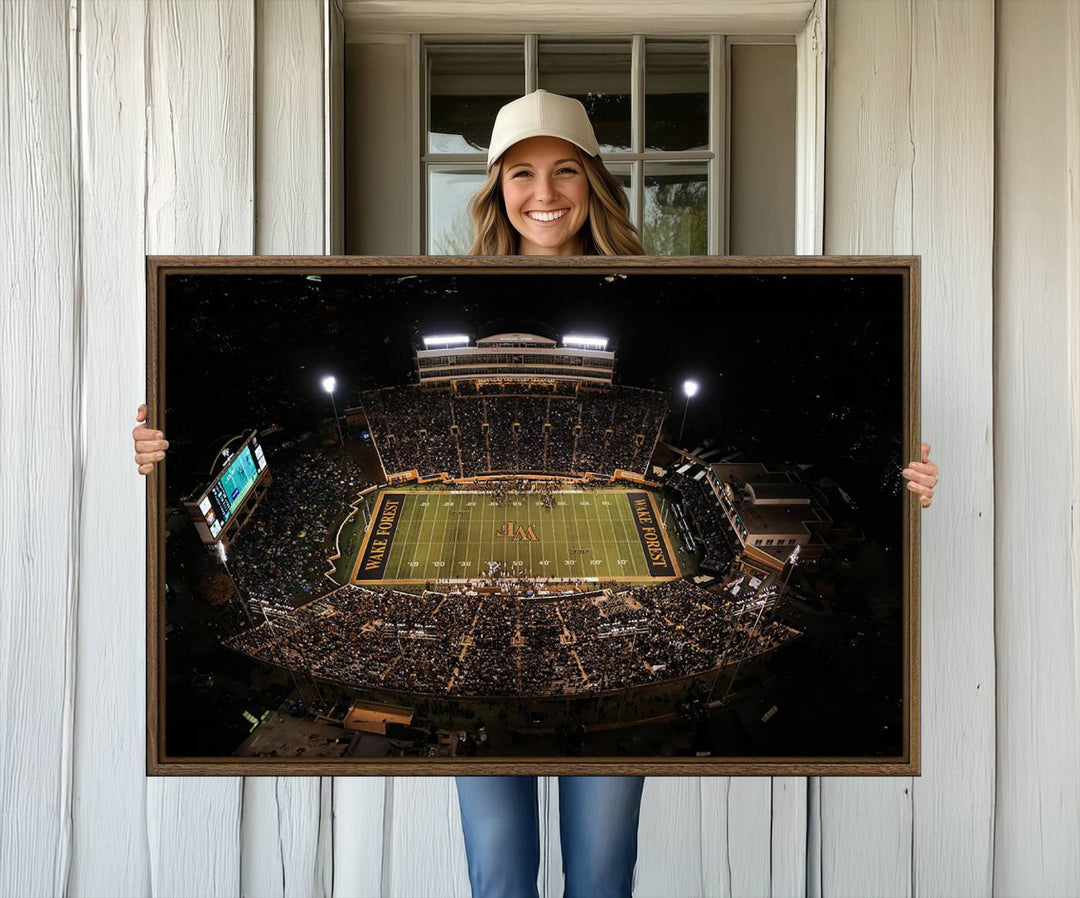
{"x":690,"y":388}
{"x":328,"y":384}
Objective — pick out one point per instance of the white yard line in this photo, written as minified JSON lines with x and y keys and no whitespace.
{"x":539,"y":512}
{"x":481,"y":562}
{"x":577,"y":537}
{"x":446,"y":571}
{"x":545,"y":542}
{"x":558,"y":531}
{"x":517,"y":544}
{"x":612,"y":561}
{"x":460,"y":570}
{"x":585,"y":557}
{"x":424,"y":569}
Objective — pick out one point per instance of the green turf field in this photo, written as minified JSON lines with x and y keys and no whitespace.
{"x":420,"y":535}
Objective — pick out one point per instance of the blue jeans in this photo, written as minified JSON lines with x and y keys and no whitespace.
{"x":598,"y":822}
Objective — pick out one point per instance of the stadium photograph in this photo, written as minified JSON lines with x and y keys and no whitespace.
{"x":426,"y":515}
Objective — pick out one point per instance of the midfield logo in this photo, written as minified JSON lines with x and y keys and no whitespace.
{"x":513,"y":530}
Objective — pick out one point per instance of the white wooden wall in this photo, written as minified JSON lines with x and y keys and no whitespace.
{"x":910,"y":153}
{"x":190,"y":126}
{"x":1037,"y":450}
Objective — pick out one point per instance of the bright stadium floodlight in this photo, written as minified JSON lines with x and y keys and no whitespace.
{"x":586,"y":342}
{"x":446,"y":340}
{"x":690,"y":388}
{"x":330,"y":384}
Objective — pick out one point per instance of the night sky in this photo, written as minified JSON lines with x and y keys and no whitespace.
{"x":798,"y":368}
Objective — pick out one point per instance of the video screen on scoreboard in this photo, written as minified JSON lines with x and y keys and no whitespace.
{"x":232,"y":486}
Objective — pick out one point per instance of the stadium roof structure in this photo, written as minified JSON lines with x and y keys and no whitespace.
{"x":515,"y":340}
{"x":515,"y":356}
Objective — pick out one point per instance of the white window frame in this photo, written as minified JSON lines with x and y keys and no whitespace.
{"x":715,"y":161}
{"x":746,"y":17}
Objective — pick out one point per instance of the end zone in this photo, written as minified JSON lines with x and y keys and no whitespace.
{"x":654,"y":541}
{"x":371,"y":560}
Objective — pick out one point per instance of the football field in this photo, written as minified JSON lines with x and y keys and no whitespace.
{"x":421,"y":535}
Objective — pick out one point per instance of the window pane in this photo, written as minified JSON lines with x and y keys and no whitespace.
{"x":449,"y":191}
{"x":676,"y":95}
{"x":597,"y":74}
{"x":624,"y":176}
{"x":676,"y":209}
{"x":467,"y":84}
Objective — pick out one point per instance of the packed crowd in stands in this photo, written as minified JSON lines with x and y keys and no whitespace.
{"x":459,"y":644}
{"x":706,"y":519}
{"x":279,"y":558}
{"x":468,"y":429}
{"x":516,"y":388}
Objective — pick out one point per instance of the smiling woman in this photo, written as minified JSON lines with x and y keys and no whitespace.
{"x":546,"y":196}
{"x":548,"y":193}
{"x":547,"y":190}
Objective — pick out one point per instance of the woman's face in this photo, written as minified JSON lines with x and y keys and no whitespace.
{"x":546,"y":195}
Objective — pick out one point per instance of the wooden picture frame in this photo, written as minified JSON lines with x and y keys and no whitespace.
{"x":808,"y":408}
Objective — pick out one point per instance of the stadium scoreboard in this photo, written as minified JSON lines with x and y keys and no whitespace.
{"x":221,"y":509}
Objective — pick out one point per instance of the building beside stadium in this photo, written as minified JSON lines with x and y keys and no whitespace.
{"x":773,"y":512}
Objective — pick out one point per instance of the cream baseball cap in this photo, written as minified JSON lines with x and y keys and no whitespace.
{"x":541,"y":114}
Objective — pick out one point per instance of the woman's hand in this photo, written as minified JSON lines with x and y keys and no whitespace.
{"x":922,"y":477}
{"x":150,"y":445}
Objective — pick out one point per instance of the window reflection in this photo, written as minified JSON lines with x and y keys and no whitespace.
{"x":676,"y":209}
{"x":468,"y":83}
{"x":676,"y":95}
{"x":597,"y":74}
{"x":450,"y":231}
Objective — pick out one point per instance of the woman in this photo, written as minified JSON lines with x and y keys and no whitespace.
{"x":548,"y":193}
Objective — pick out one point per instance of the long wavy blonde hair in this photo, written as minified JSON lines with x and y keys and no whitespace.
{"x":607,"y":231}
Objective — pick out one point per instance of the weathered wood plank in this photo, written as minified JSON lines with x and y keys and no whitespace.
{"x":361,"y":807}
{"x":41,"y":448}
{"x":282,"y":815}
{"x":676,"y":817}
{"x":193,"y":830}
{"x":280,"y":837}
{"x":1037,"y":450}
{"x":953,"y":229}
{"x":866,"y":837}
{"x":866,"y":823}
{"x":289,"y":128}
{"x":788,"y":843}
{"x":424,"y":849}
{"x":200,"y":186}
{"x":869,"y":155}
{"x":749,"y":836}
{"x":199,"y":199}
{"x":909,"y":169}
{"x":110,"y":854}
